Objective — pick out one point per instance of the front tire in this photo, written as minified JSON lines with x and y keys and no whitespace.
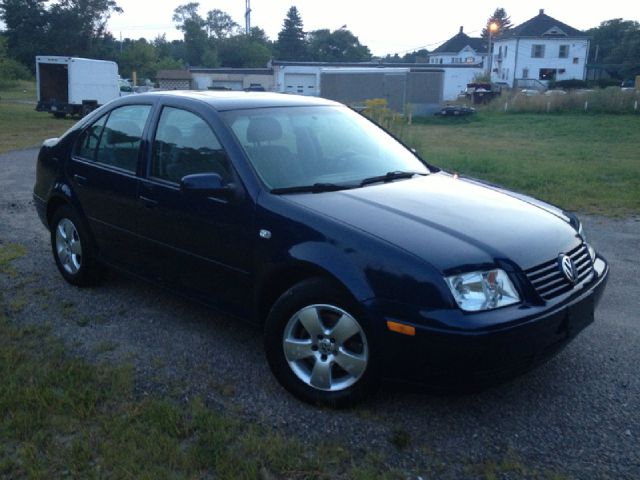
{"x":73,"y":249}
{"x":319,"y":346}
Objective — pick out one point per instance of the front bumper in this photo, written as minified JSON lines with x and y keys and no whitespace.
{"x":474,"y":357}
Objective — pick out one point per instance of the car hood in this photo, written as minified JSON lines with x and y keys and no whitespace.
{"x":450,"y":222}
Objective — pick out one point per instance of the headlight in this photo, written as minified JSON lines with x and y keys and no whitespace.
{"x":592,"y":252}
{"x":477,"y":291}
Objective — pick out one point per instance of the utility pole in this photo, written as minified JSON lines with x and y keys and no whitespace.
{"x":247,"y":17}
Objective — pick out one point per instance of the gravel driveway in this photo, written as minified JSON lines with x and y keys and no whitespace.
{"x":578,"y":415}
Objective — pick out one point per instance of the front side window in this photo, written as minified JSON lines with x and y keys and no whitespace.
{"x":114,"y":139}
{"x":184,"y":144}
{"x":537,"y":51}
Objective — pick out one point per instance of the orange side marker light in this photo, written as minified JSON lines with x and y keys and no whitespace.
{"x":401,"y":328}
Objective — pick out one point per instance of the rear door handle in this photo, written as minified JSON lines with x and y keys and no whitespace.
{"x":79,"y":179}
{"x":148,"y":202}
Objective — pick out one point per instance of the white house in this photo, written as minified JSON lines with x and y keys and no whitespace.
{"x":460,"y":49}
{"x":538,"y":51}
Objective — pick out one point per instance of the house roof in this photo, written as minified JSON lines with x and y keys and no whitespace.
{"x":456,"y":43}
{"x":245,"y":71}
{"x":542,"y":25}
{"x":173,"y":75}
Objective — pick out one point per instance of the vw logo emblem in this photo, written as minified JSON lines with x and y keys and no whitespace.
{"x":567,"y":268}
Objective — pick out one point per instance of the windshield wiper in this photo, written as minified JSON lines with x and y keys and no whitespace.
{"x":389,"y":177}
{"x":315,"y":188}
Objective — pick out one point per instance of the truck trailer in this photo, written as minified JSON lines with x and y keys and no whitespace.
{"x":74,"y":86}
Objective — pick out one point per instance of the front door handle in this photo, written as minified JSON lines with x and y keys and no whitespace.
{"x":148,"y":202}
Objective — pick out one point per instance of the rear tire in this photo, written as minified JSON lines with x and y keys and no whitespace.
{"x":73,"y":248}
{"x":319,"y":346}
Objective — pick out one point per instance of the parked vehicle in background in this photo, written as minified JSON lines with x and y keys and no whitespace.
{"x":482,"y":92}
{"x":455,"y":111}
{"x":631,"y":84}
{"x":74,"y":86}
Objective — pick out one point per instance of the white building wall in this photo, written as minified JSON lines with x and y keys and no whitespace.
{"x":519,"y":61}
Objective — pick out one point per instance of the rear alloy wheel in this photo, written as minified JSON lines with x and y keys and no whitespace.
{"x":72,"y":248}
{"x":316,"y":346}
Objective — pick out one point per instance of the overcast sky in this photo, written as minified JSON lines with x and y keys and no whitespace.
{"x":395,"y":26}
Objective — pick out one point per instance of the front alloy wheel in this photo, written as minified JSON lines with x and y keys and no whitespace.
{"x":325,"y":347}
{"x":319,"y":345}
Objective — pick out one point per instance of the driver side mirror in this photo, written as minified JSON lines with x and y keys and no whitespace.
{"x":207,"y":185}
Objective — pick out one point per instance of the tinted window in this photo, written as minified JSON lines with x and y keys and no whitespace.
{"x":114,"y":139}
{"x":185,"y":144}
{"x":87,"y":144}
{"x":120,"y":141}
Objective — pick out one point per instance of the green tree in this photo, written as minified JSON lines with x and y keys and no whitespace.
{"x":417,"y":56}
{"x":219,"y":24}
{"x":292,"y":44}
{"x":193,"y":27}
{"x":26,"y":26}
{"x":501,"y":19}
{"x":337,"y":46}
{"x":66,"y":27}
{"x":242,"y":51}
{"x":139,"y":56}
{"x":616,"y":43}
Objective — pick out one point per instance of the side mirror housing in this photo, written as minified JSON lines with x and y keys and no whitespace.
{"x":206,"y":185}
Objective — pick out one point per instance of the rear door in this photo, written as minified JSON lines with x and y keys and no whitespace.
{"x":200,"y":244}
{"x":103,"y":174}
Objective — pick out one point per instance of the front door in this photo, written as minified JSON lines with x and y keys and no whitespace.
{"x":198,"y":243}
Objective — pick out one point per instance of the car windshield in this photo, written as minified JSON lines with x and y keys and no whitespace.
{"x":319,"y":148}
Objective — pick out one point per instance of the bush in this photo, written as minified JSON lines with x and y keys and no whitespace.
{"x":12,"y":71}
{"x":572,"y":84}
{"x":608,"y":100}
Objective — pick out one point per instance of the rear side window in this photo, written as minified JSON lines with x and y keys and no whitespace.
{"x":115,"y":138}
{"x":185,"y":144}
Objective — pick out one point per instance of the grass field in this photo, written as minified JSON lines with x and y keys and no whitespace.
{"x":588,"y":163}
{"x":20,"y":125}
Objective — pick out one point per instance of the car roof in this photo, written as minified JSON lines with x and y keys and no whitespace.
{"x":239,"y":100}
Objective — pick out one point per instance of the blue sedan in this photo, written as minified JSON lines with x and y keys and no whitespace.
{"x":358,"y":259}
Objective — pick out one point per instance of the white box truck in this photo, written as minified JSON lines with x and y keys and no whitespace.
{"x":74,"y":86}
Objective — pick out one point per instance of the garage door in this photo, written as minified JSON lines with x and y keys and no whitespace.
{"x":300,"y":83}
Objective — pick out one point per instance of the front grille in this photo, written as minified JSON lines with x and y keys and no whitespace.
{"x":550,"y":282}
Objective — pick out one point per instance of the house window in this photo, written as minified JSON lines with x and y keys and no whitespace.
{"x":576,"y":60}
{"x":506,"y":48}
{"x":564,"y":51}
{"x":525,"y":73}
{"x":537,"y":51}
